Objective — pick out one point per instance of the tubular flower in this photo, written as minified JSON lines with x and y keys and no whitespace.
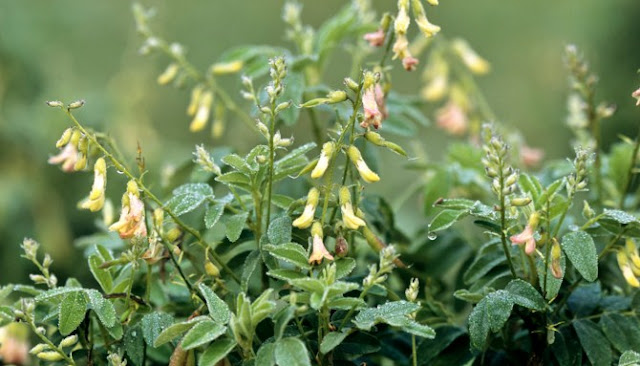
{"x":131,"y":222}
{"x":379,"y":96}
{"x":356,"y":158}
{"x":627,"y":271}
{"x":375,"y":39}
{"x":372,"y":114}
{"x":349,"y":218}
{"x":203,"y":112}
{"x":305,"y":220}
{"x":423,"y":23}
{"x":636,"y":94}
{"x":325,"y":156}
{"x":70,"y":156}
{"x":556,"y":253}
{"x":526,"y":236}
{"x":196,"y":93}
{"x":95,"y":201}
{"x":471,"y":59}
{"x":452,"y":119}
{"x":319,"y":250}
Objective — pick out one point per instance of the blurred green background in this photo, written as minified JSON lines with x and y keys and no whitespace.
{"x":68,"y":50}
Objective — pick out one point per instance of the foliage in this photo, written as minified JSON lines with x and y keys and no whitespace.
{"x":232,"y":267}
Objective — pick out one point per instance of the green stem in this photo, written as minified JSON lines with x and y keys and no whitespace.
{"x":52,"y":346}
{"x":272,"y":154}
{"x":503,"y":228}
{"x":547,"y":250}
{"x":413,"y":350}
{"x":632,"y":164}
{"x":122,"y":168}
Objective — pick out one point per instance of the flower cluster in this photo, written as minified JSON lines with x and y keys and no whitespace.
{"x":73,"y":146}
{"x":131,"y":223}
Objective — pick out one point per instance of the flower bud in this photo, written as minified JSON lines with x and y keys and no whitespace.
{"x":351,"y":84}
{"x":587,"y":211}
{"x":211,"y":269}
{"x":169,"y":74}
{"x":282,"y":106}
{"x":520,"y":201}
{"x":411,"y":293}
{"x":423,"y":23}
{"x":65,"y":138}
{"x":342,"y":247}
{"x":196,"y":93}
{"x":203,"y":112}
{"x":50,"y":356}
{"x":76,"y":104}
{"x":319,"y":251}
{"x":69,"y":341}
{"x":96,"y":198}
{"x":174,"y":234}
{"x":363,"y":169}
{"x":39,"y":348}
{"x":625,"y":268}
{"x":54,"y":103}
{"x":336,"y":96}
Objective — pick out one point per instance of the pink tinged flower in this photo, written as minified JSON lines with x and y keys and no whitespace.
{"x":131,"y":223}
{"x":531,"y":157}
{"x":636,"y":94}
{"x":68,"y":156}
{"x":319,"y":250}
{"x":526,"y":238}
{"x":375,"y":39}
{"x":409,"y":63}
{"x":372,"y":114}
{"x":13,"y":351}
{"x":452,"y":119}
{"x":382,"y":105}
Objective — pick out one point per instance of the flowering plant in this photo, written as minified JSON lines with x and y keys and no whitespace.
{"x":279,"y":255}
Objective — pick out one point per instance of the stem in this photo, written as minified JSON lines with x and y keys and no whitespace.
{"x":547,"y":251}
{"x":52,"y":346}
{"x":632,"y":164}
{"x":121,"y":167}
{"x":413,"y":350}
{"x":316,"y":128}
{"x":503,"y":224}
{"x":272,"y":154}
{"x":180,"y":271}
{"x":594,"y":124}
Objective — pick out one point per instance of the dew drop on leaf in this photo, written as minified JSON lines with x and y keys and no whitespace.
{"x":432,"y":235}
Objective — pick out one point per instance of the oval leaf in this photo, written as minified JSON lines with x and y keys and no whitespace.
{"x":581,"y":251}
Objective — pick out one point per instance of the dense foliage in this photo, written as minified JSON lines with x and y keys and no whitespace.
{"x":279,"y":255}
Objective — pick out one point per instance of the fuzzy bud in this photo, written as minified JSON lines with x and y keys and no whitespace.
{"x":50,"y":356}
{"x":169,"y":74}
{"x":54,"y":103}
{"x":363,"y":169}
{"x":351,"y":84}
{"x":306,"y":218}
{"x":69,"y":341}
{"x":211,"y":269}
{"x":323,"y":162}
{"x":227,"y":67}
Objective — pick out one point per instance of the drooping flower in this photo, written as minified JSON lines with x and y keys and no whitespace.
{"x":323,"y":162}
{"x":625,"y":268}
{"x":363,"y":169}
{"x":375,"y":39}
{"x":305,"y":220}
{"x":319,"y":251}
{"x":95,"y":201}
{"x":556,"y":254}
{"x":349,"y":218}
{"x":636,"y":94}
{"x":372,"y":114}
{"x":131,"y":223}
{"x":202,"y":113}
{"x":530,"y":157}
{"x":471,"y":59}
{"x":526,"y":237}
{"x":409,"y":63}
{"x":69,"y":156}
{"x":452,"y":119}
{"x":423,"y":23}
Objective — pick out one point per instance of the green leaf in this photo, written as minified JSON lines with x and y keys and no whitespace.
{"x":623,"y":332}
{"x":481,"y":265}
{"x":71,"y":312}
{"x":285,"y":274}
{"x":212,"y":215}
{"x":489,"y":314}
{"x":102,"y":276}
{"x":458,"y":204}
{"x":202,"y":333}
{"x":334,"y":30}
{"x":344,"y":266}
{"x":281,"y":319}
{"x":553,"y":284}
{"x":437,"y":188}
{"x":134,"y":344}
{"x":595,"y":345}
{"x":56,"y":292}
{"x":429,"y":349}
{"x":291,"y":352}
{"x":309,"y":284}
{"x":331,"y":341}
{"x":282,"y":201}
{"x":445,"y":219}
{"x":392,"y":313}
{"x":419,"y":330}
{"x":188,"y":197}
{"x":293,"y":156}
{"x":290,"y":252}
{"x":279,"y":231}
{"x":153,"y":325}
{"x":581,"y":251}
{"x":548,"y":193}
{"x":176,"y":330}
{"x":238,"y":163}
{"x":234,"y":225}
{"x":235,"y":179}
{"x":526,"y":295}
{"x":629,"y":358}
{"x":585,"y":299}
{"x":249,"y":267}
{"x":216,"y":352}
{"x":346,"y":303}
{"x":218,"y":309}
{"x":266,"y":355}
{"x":103,"y":308}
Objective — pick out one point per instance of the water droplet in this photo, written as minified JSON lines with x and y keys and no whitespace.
{"x":432,"y":235}
{"x":119,"y":171}
{"x":574,"y":227}
{"x":134,"y":334}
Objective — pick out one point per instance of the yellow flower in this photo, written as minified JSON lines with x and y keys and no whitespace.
{"x":556,"y":254}
{"x":131,"y":222}
{"x":349,"y":218}
{"x":169,"y":74}
{"x":471,"y":59}
{"x":363,"y":169}
{"x":95,"y":201}
{"x":325,"y":156}
{"x":227,"y":67}
{"x":423,"y":23}
{"x":203,"y":112}
{"x":305,"y":220}
{"x":632,"y":254}
{"x":625,"y":267}
{"x":196,"y":93}
{"x":319,"y":250}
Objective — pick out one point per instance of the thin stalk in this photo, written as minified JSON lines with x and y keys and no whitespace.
{"x":316,"y":128}
{"x":52,"y":346}
{"x":180,"y":272}
{"x":594,"y":124}
{"x":632,"y":164}
{"x":272,"y":155}
{"x":120,"y":166}
{"x":413,"y":350}
{"x":503,"y":227}
{"x":547,"y":250}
